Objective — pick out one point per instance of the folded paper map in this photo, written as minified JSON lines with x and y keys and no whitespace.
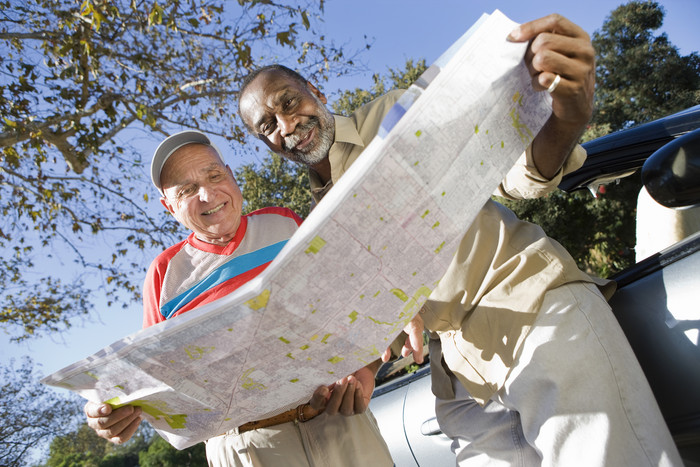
{"x":357,"y":270}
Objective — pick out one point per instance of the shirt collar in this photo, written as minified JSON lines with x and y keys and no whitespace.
{"x":345,"y":134}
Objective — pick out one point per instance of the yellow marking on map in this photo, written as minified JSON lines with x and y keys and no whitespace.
{"x":315,"y":245}
{"x":523,"y":131}
{"x":437,"y":250}
{"x":476,"y":129}
{"x":250,"y":383}
{"x":415,"y":163}
{"x":196,"y":352}
{"x":283,"y":340}
{"x":400,"y":294}
{"x":335,"y":359}
{"x":362,"y":354}
{"x":422,"y":291}
{"x":353,"y":316}
{"x":92,"y":375}
{"x":407,"y":312}
{"x":156,"y":409}
{"x":437,"y":223}
{"x":517,"y":97}
{"x":314,"y":337}
{"x":290,"y":356}
{"x":119,"y":386}
{"x":418,"y":133}
{"x":378,"y":292}
{"x":294,"y":380}
{"x":325,"y":338}
{"x":443,"y":193}
{"x":427,"y":211}
{"x":260,"y":301}
{"x":304,"y":347}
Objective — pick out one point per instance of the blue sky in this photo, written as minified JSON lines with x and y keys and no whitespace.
{"x":398,"y":30}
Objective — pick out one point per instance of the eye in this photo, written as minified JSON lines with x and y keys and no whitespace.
{"x":216,"y":176}
{"x":289,"y":104}
{"x":267,"y":128}
{"x":187,"y":191}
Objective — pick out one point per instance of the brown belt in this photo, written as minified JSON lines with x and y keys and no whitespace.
{"x":302,"y":413}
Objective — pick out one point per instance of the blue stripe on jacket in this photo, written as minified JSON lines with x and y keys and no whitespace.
{"x":229,"y":270}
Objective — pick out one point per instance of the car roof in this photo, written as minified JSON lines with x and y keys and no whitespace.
{"x":621,"y":153}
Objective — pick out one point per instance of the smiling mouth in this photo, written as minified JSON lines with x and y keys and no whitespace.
{"x":216,"y":209}
{"x":305,"y":141}
{"x":296,"y":143}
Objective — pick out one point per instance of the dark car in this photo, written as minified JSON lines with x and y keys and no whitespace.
{"x":657,"y":302}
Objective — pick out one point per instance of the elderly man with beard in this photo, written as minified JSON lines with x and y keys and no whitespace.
{"x":199,"y":190}
{"x":529,"y":366}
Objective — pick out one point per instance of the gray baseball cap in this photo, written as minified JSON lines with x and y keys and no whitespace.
{"x":171,"y":144}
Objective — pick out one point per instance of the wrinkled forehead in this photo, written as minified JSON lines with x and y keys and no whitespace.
{"x":266,"y":91}
{"x":193,"y":156}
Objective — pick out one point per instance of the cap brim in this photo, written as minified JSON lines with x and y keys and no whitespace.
{"x":169,"y":146}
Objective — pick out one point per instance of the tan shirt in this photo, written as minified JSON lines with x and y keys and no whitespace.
{"x":484,"y":305}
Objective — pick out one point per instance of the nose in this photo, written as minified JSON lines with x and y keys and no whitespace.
{"x":286,"y":124}
{"x":206,"y":193}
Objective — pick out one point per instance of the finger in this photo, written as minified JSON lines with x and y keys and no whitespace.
{"x":416,"y":341}
{"x":126,"y":434}
{"x":319,"y":398}
{"x":120,"y":431}
{"x":95,"y":410}
{"x":336,"y":398}
{"x":347,"y":407}
{"x":118,"y":417}
{"x":553,"y":23}
{"x":361,"y":401}
{"x":386,"y":356}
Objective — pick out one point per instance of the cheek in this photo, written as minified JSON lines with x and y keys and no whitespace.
{"x":274,"y":144}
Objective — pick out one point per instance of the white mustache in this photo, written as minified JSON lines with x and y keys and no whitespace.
{"x":300,"y":132}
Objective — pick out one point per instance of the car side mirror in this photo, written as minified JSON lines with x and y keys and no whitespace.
{"x":671,"y":175}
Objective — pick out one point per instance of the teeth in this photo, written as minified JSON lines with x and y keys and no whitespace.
{"x":212,"y":211}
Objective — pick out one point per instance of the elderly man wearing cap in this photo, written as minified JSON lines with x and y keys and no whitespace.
{"x":199,"y":190}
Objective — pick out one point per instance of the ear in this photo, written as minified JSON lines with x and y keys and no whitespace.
{"x":166,"y":204}
{"x":314,"y":90}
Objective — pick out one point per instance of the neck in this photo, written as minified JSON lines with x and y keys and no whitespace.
{"x":223,"y":241}
{"x":323,"y":169}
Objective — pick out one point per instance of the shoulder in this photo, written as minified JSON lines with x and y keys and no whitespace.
{"x":164,"y":258}
{"x":377,"y":108}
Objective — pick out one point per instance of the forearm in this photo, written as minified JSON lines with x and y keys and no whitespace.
{"x":374,"y":366}
{"x":553,"y":144}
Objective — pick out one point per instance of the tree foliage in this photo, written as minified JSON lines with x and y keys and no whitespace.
{"x":639,"y":77}
{"x":85,"y":87}
{"x":83,"y":448}
{"x":349,"y":100}
{"x":30,"y":413}
{"x":275,"y":182}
